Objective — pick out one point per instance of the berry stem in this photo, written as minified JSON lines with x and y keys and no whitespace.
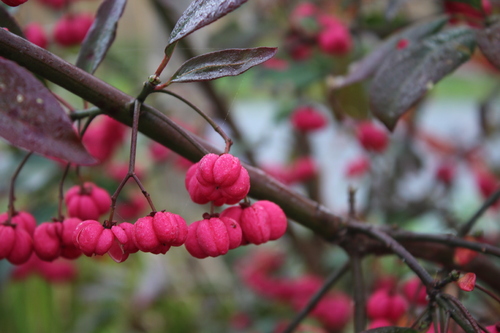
{"x":90,"y":112}
{"x":12,"y":197}
{"x":131,"y":165}
{"x":487,"y":292}
{"x":61,"y":193}
{"x":330,"y":281}
{"x":209,"y":120}
{"x":459,"y":313}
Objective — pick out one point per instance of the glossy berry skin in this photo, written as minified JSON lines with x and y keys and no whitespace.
{"x":21,"y":219}
{"x":92,"y":238}
{"x":220,"y":179}
{"x":71,"y":30}
{"x":16,"y":245}
{"x":372,"y":137}
{"x":47,"y":240}
{"x":68,"y":248}
{"x":34,"y":33}
{"x":384,"y":305}
{"x":212,"y":237}
{"x":103,"y":138}
{"x":154,"y":233}
{"x":87,"y":202}
{"x":277,"y":218}
{"x":307,"y":119}
{"x":14,"y":3}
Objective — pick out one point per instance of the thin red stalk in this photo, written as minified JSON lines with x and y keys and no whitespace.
{"x":487,"y":292}
{"x":12,"y":197}
{"x":209,"y":120}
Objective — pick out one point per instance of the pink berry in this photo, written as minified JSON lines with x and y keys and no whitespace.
{"x":383,"y":304}
{"x":414,"y":291}
{"x":445,"y":173}
{"x":212,"y":237}
{"x":47,"y":240}
{"x":22,"y":219}
{"x":254,"y":222}
{"x":154,"y":233}
{"x":335,"y":40}
{"x":402,"y":43}
{"x":55,"y":4}
{"x":158,"y":152}
{"x":277,"y":218}
{"x":372,"y":137}
{"x":334,"y":320}
{"x":104,"y":137}
{"x":14,"y":3}
{"x":92,"y":238}
{"x":358,"y":167}
{"x":71,"y":29}
{"x":220,"y":179}
{"x":487,"y":183}
{"x":302,"y":169}
{"x":87,"y":202}
{"x":68,"y":248}
{"x":307,"y":119}
{"x":34,"y":33}
{"x":16,"y":245}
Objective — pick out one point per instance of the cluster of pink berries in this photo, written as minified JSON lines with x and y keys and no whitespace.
{"x":308,"y":119}
{"x":311,"y":27}
{"x":69,"y":30}
{"x":217,"y":179}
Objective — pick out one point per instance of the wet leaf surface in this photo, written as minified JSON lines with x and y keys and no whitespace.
{"x":31,"y":117}
{"x":408,"y":74}
{"x":223,"y":63}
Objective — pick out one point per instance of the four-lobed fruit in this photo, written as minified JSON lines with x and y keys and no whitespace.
{"x":87,"y":201}
{"x":372,"y":137}
{"x":384,"y":304}
{"x":307,"y":119}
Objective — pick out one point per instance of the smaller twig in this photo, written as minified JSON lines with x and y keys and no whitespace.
{"x":464,"y":311}
{"x":352,"y":202}
{"x":331,"y":280}
{"x":209,"y":120}
{"x":64,"y":102}
{"x":12,"y":197}
{"x":168,"y":54}
{"x":359,"y":293}
{"x":90,"y":112}
{"x":487,"y":292}
{"x":464,"y":230}
{"x":61,"y":193}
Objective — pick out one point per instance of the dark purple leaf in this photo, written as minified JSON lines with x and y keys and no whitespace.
{"x":369,"y":64}
{"x":31,"y":117}
{"x":391,"y":329}
{"x":409,"y":73}
{"x":488,"y":41}
{"x":7,"y":21}
{"x":101,"y":35}
{"x":231,"y":62}
{"x":473,"y":3}
{"x":201,"y":13}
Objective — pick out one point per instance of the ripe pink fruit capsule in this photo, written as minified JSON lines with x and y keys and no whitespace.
{"x":92,"y":238}
{"x":255,"y":225}
{"x":415,"y":291}
{"x":212,"y":237}
{"x":307,"y":119}
{"x":335,"y":40}
{"x":14,"y":3}
{"x":277,"y":218}
{"x":71,"y":29}
{"x":34,"y":33}
{"x":220,"y":179}
{"x":87,"y":202}
{"x":22,"y":219}
{"x":68,"y":248}
{"x":156,"y":233}
{"x":372,"y":137}
{"x":384,"y":305}
{"x":47,"y":240}
{"x":104,"y":137}
{"x":16,"y":245}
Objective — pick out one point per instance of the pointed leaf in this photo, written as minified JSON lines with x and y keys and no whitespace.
{"x":101,"y":35}
{"x":367,"y":66}
{"x":231,"y":62}
{"x":201,"y":13}
{"x":409,"y":73}
{"x":7,"y":21}
{"x":31,"y":117}
{"x":391,"y":329}
{"x":488,"y":41}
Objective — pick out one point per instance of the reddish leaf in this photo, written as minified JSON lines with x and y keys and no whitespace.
{"x":467,"y":282}
{"x":231,"y":62}
{"x":32,"y":118}
{"x":409,"y":73}
{"x":367,"y":66}
{"x":101,"y":35}
{"x":488,"y":41}
{"x":201,"y":13}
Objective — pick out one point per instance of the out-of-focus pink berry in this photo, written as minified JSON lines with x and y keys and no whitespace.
{"x":71,"y":29}
{"x":34,"y":33}
{"x":414,"y":291}
{"x":383,"y":304}
{"x":307,"y":119}
{"x":445,"y":173}
{"x":87,"y":201}
{"x":16,"y":245}
{"x":402,"y":43}
{"x":103,"y":138}
{"x":372,"y":137}
{"x":358,"y":167}
{"x":158,"y":152}
{"x":335,"y":40}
